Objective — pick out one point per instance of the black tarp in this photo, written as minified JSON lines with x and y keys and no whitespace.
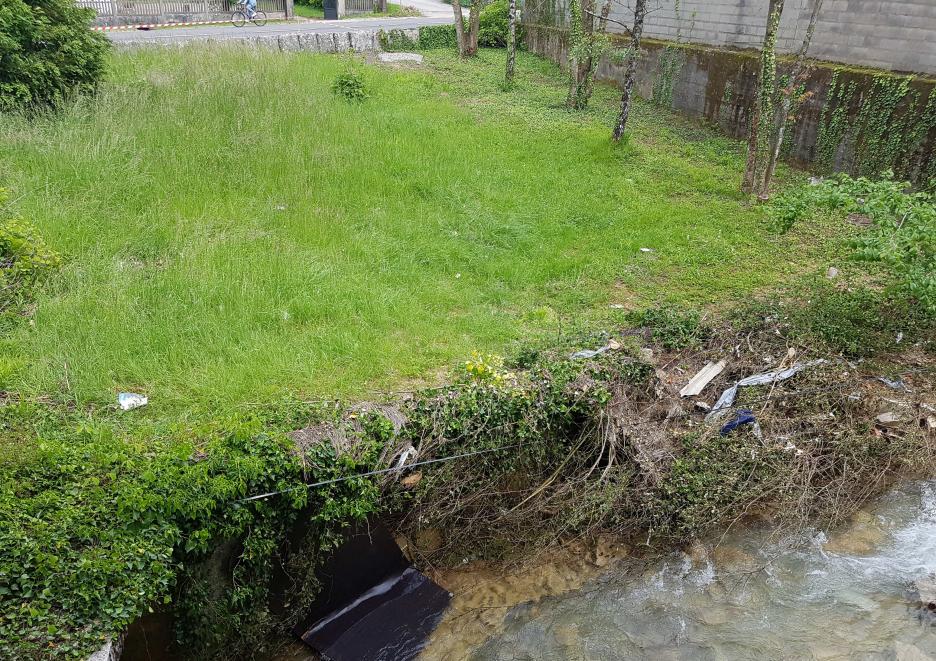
{"x":373,"y":605}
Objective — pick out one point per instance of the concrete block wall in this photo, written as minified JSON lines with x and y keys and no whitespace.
{"x":896,"y":35}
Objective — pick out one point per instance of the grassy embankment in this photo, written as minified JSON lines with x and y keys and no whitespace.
{"x":235,"y":235}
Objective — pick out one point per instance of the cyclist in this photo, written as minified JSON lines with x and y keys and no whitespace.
{"x":251,"y":6}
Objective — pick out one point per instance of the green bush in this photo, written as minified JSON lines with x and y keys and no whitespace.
{"x":315,"y":4}
{"x":493,"y":26}
{"x":430,"y":36}
{"x":350,"y":86}
{"x":437,"y":36}
{"x":24,"y":257}
{"x":673,"y":328}
{"x":47,"y":52}
{"x":902,"y":235}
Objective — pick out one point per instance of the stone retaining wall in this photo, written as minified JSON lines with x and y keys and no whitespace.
{"x":339,"y":41}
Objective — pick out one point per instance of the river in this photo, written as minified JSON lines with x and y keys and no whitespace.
{"x":812,"y":596}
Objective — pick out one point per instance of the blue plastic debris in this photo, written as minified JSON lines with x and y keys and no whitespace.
{"x":741,"y":417}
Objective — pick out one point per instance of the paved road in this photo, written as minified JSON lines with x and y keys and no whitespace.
{"x":434,"y":13}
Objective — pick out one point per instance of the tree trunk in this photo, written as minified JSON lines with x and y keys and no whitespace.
{"x":511,"y":42}
{"x":787,"y":102}
{"x":474,"y":24}
{"x":591,"y":66}
{"x":460,"y":29}
{"x":762,"y":117}
{"x":575,"y":42}
{"x":630,"y":76}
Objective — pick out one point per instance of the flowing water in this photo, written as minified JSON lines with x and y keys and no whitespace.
{"x":845,"y":596}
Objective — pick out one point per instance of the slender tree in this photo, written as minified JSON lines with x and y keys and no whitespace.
{"x":786,"y":101}
{"x":511,"y":42}
{"x":630,"y":72}
{"x":587,"y":43}
{"x":460,"y":28}
{"x":474,"y":24}
{"x":762,"y":112}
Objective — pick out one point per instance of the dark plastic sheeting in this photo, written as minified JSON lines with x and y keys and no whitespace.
{"x":373,"y":606}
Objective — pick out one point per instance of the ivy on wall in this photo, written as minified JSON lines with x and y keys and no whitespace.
{"x":866,"y":130}
{"x":671,"y":63}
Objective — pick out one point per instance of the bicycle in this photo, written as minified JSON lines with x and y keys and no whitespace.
{"x":240,"y":16}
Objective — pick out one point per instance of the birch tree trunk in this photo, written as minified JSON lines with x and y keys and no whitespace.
{"x":630,"y":75}
{"x":787,"y":101}
{"x":511,"y":42}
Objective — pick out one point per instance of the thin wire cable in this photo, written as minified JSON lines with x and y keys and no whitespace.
{"x":377,"y":472}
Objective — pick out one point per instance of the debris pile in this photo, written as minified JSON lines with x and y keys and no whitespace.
{"x":633,"y":437}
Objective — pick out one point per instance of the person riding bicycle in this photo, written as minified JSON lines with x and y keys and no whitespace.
{"x":251,"y":6}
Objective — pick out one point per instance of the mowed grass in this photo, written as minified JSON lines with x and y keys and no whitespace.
{"x":234,"y":231}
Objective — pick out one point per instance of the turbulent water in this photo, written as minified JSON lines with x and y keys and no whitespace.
{"x":813,"y":597}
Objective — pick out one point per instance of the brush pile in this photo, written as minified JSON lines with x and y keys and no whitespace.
{"x":571,"y":443}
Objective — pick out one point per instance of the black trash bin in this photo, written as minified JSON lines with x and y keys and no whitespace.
{"x":331,"y":9}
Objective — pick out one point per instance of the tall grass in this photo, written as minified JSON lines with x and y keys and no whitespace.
{"x":233,"y":230}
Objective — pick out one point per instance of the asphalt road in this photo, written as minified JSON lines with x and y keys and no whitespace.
{"x":434,"y":13}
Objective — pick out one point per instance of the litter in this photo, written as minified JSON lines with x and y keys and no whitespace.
{"x":646,"y":250}
{"x":591,"y":353}
{"x":896,"y":384}
{"x":131,"y":400}
{"x":373,"y":604}
{"x":410,"y":452}
{"x":742,"y":417}
{"x":888,"y":418}
{"x":728,"y":396}
{"x":702,"y":378}
{"x":832,"y":273}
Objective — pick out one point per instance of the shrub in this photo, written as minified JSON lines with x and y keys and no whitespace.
{"x":350,"y":86}
{"x":902,"y":235}
{"x":429,"y":37}
{"x":672,"y":328}
{"x":48,"y":52}
{"x":315,"y":4}
{"x":493,"y":28}
{"x":437,"y":36}
{"x":24,"y":257}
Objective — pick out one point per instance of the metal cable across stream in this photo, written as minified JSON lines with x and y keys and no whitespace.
{"x":377,"y":472}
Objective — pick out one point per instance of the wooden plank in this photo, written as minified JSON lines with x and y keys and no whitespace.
{"x":702,"y":378}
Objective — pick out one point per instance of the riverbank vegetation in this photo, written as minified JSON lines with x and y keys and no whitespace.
{"x":246,"y":249}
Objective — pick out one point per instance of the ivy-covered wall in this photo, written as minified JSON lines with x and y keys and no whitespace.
{"x":861,"y":121}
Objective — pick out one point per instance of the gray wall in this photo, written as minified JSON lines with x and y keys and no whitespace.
{"x":899,"y":35}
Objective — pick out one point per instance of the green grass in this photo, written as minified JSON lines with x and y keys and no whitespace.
{"x":233,"y":232}
{"x":393,"y":10}
{"x":308,"y":12}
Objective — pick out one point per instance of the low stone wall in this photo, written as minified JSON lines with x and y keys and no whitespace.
{"x":860,"y":121}
{"x":340,"y":41}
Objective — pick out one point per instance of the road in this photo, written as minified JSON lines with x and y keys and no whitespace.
{"x":434,"y":13}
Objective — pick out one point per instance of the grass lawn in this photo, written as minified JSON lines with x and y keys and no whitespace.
{"x":306,"y":11}
{"x":233,"y":231}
